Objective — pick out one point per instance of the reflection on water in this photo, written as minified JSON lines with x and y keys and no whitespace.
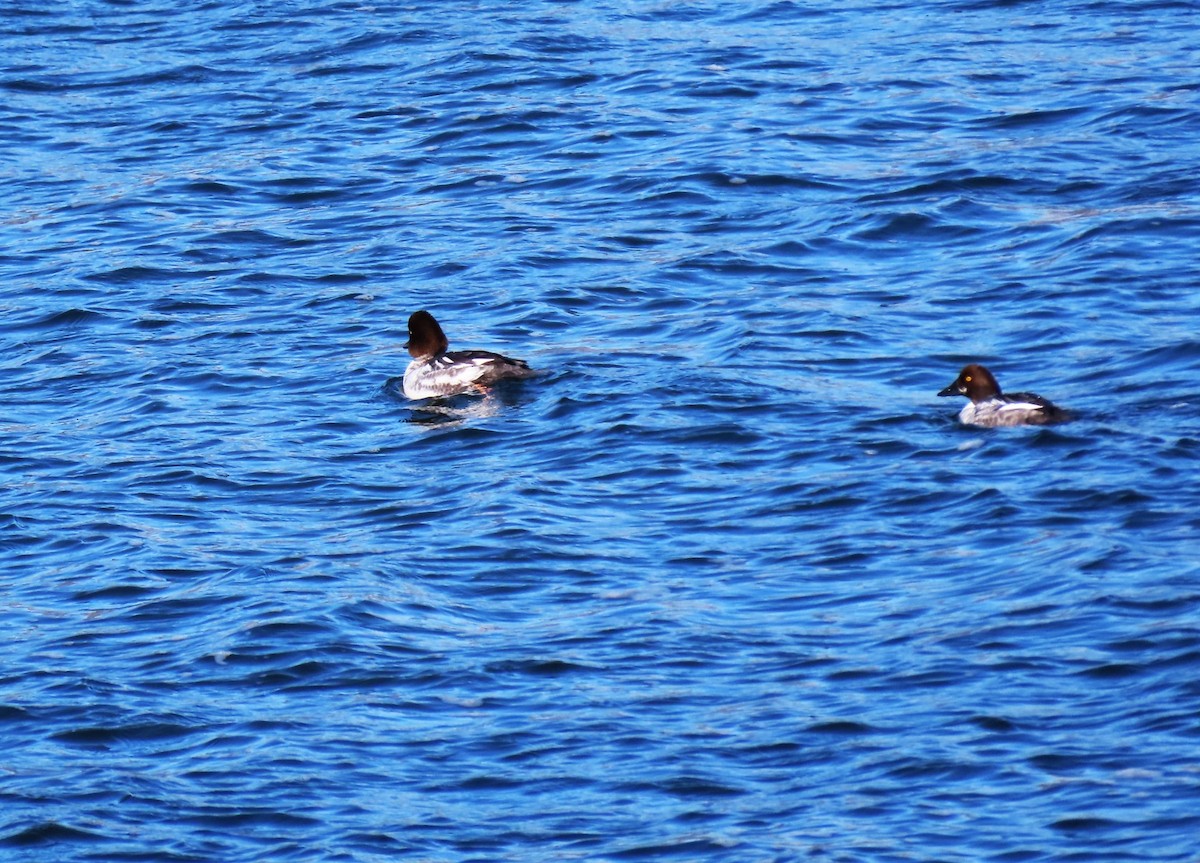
{"x":728,"y":581}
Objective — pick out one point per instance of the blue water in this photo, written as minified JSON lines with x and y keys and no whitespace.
{"x":728,"y":582}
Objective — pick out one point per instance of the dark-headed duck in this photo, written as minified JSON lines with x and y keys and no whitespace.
{"x":434,"y":371}
{"x":990,"y":407}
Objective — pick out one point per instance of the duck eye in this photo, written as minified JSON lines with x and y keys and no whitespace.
{"x":967,"y":379}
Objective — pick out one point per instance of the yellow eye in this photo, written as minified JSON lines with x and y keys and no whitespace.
{"x":967,"y":379}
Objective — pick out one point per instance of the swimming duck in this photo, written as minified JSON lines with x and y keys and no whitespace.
{"x":434,"y":371}
{"x":990,"y":407}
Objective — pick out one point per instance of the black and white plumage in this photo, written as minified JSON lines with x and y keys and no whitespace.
{"x":990,"y":407}
{"x":435,"y":371}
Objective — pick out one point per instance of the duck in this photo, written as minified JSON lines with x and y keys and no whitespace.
{"x":435,"y":371}
{"x":991,"y":408}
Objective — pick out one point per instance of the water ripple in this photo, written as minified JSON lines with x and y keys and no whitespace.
{"x":728,"y":580}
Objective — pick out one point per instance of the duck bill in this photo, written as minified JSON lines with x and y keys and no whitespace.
{"x":951,"y":390}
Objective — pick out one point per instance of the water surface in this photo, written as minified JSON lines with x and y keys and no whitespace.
{"x":728,"y":582}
